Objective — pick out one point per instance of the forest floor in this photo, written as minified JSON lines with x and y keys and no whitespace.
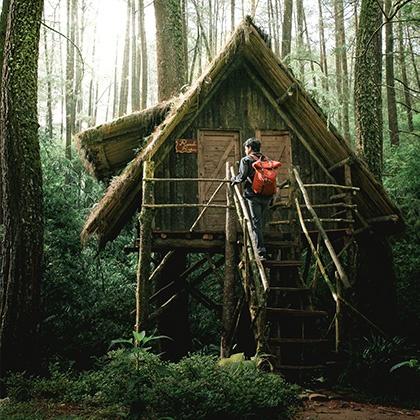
{"x":330,"y":406}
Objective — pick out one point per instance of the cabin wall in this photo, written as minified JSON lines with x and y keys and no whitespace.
{"x":239,"y":106}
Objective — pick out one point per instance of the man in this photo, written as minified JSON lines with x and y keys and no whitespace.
{"x":257,"y":203}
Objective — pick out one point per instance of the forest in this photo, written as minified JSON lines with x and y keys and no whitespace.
{"x":131,"y":285}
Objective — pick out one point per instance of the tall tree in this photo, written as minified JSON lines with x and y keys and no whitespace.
{"x":22,"y":243}
{"x":286,"y":41}
{"x":135,"y":60}
{"x":341,"y":67}
{"x":367,"y":86}
{"x":3,"y":27}
{"x":123,"y":102}
{"x":48,"y":68}
{"x":172,"y":74}
{"x":389,"y":77}
{"x":171,"y":65}
{"x":144,"y":57}
{"x":322,"y":48}
{"x":404,"y":78}
{"x":70,"y":74}
{"x":299,"y":37}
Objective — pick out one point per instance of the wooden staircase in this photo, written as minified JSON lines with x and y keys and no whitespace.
{"x":294,"y":326}
{"x":286,"y":325}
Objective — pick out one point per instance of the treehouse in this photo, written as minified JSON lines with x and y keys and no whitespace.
{"x":172,"y":164}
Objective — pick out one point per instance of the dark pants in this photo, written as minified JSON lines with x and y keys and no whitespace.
{"x":258,"y":206}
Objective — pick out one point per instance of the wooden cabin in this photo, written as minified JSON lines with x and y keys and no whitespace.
{"x":172,"y":163}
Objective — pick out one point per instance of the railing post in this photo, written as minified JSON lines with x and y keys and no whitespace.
{"x":229,"y":280}
{"x":145,"y":248}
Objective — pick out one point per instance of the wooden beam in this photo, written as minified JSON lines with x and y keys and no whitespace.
{"x":145,"y":250}
{"x":229,"y":280}
{"x":343,"y":276}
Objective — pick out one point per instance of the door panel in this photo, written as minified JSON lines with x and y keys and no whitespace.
{"x":215,"y":148}
{"x":277,"y":146}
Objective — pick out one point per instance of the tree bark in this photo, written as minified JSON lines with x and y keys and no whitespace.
{"x":135,"y":68}
{"x":389,"y":77}
{"x":404,"y":78}
{"x":123,"y":102}
{"x":22,"y":243}
{"x":144,"y":58}
{"x":171,"y":65}
{"x":232,"y":15}
{"x":322,"y":49}
{"x":341,"y":65}
{"x":172,"y":74}
{"x":286,"y":41}
{"x":300,"y":30}
{"x":367,"y":87}
{"x":3,"y":27}
{"x":48,"y":69}
{"x":115,"y":84}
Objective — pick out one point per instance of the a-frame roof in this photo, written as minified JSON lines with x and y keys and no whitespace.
{"x":246,"y":48}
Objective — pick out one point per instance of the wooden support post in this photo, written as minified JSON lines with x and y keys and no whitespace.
{"x":229,"y":281}
{"x":145,"y":250}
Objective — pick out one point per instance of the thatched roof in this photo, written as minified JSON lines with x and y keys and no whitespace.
{"x":245,"y":48}
{"x":107,"y":148}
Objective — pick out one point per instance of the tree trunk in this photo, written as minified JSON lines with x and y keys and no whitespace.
{"x":22,"y":243}
{"x":404,"y":78}
{"x":171,"y":66}
{"x":115,"y":84}
{"x":367,"y":87}
{"x":389,"y":76}
{"x":413,"y":57}
{"x":78,"y":91}
{"x":70,"y":74}
{"x":48,"y":68}
{"x":92,"y":84}
{"x":123,"y":102}
{"x":286,"y":41}
{"x":322,"y":49}
{"x":172,"y":74}
{"x":144,"y":58}
{"x":299,"y":37}
{"x":3,"y":27}
{"x":232,"y":15}
{"x":135,"y":68}
{"x":341,"y":65}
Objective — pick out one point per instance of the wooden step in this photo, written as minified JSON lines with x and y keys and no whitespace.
{"x":295,"y":340}
{"x":281,"y":244}
{"x":290,"y":289}
{"x":301,"y":313}
{"x":282,"y":264}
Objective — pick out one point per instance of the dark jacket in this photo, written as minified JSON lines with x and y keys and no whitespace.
{"x":246,"y":174}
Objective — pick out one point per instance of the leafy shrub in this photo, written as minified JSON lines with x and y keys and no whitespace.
{"x":371,"y":365}
{"x":401,"y":169}
{"x":83,"y":292}
{"x":194,"y":388}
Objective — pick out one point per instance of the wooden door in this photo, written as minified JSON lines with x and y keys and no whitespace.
{"x":215,"y":148}
{"x":276,"y":145}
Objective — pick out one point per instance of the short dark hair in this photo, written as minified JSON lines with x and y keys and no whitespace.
{"x":253,"y":143}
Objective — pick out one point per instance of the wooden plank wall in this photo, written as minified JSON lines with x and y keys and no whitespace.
{"x":239,"y":105}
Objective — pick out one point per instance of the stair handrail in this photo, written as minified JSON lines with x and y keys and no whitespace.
{"x":341,"y":273}
{"x":253,"y":251}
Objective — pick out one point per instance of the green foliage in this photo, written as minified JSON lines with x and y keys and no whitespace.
{"x":83,"y":292}
{"x":194,"y":388}
{"x":372,"y":367}
{"x":401,"y":179}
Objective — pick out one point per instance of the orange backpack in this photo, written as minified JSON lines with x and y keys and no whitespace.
{"x":264,"y":182}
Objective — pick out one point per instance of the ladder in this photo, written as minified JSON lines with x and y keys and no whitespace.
{"x":286,"y":325}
